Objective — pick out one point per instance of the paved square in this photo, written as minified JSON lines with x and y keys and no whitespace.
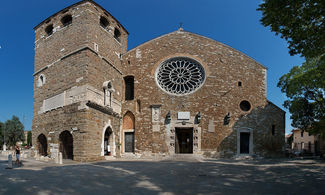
{"x":283,"y":176}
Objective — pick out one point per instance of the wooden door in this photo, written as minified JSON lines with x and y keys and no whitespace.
{"x":129,"y":142}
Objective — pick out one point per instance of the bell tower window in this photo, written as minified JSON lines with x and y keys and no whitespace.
{"x":117,"y":35}
{"x":103,"y":22}
{"x":49,"y":29}
{"x":66,"y":20}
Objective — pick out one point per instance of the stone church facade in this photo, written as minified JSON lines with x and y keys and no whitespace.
{"x":178,"y":93}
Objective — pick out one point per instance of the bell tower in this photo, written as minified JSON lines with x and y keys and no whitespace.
{"x":77,"y":50}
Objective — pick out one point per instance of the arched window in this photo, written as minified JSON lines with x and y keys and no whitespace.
{"x":129,"y":87}
{"x":108,"y":91}
{"x":66,"y":20}
{"x":103,"y":22}
{"x":117,"y":34}
{"x":49,"y":29}
{"x":41,"y":80}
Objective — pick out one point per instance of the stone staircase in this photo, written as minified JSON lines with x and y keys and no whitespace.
{"x":185,"y":157}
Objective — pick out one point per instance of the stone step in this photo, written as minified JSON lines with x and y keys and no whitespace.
{"x":184,"y":157}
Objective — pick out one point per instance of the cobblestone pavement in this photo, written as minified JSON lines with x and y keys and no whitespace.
{"x":277,"y":176}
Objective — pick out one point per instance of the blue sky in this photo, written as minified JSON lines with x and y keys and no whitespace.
{"x":232,"y":22}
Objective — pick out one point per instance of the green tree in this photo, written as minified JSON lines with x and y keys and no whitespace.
{"x":304,"y":86}
{"x":301,"y":23}
{"x":1,"y":134}
{"x":29,"y":138}
{"x":14,"y":130}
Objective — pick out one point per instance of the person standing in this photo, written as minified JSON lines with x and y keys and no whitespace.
{"x":17,"y":150}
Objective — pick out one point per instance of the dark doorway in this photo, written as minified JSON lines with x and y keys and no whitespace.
{"x":184,"y":140}
{"x":316,"y":148}
{"x":244,"y":143}
{"x":42,"y":145}
{"x":66,"y":145}
{"x":129,"y":142}
{"x":107,"y":141}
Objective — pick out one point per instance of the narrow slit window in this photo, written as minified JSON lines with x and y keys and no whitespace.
{"x":129,"y":87}
{"x":273,"y":129}
{"x":239,"y":84}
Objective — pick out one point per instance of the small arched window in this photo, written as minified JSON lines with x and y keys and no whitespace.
{"x":66,"y":20}
{"x":41,"y":80}
{"x":49,"y":29}
{"x":108,"y":90}
{"x":103,"y":22}
{"x":117,"y":34}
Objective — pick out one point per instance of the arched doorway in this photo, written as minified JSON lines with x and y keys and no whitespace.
{"x":108,"y":142}
{"x":66,"y":145}
{"x":128,"y":132}
{"x":42,"y":145}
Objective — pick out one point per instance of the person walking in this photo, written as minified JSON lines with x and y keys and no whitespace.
{"x":17,"y":150}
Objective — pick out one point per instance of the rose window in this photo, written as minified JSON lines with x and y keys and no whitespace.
{"x":180,"y":75}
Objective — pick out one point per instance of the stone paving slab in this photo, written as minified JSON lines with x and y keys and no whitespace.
{"x":211,"y":176}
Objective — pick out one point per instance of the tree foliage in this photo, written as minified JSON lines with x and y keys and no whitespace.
{"x":29,"y":138}
{"x":305,"y":88}
{"x":300,"y":22}
{"x":1,"y":133}
{"x":14,"y":131}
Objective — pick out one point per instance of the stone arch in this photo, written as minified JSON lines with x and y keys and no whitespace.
{"x":42,"y":144}
{"x":108,"y":139}
{"x":128,"y":127}
{"x":128,"y":120}
{"x":66,"y":145}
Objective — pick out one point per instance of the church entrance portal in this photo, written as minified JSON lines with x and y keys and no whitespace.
{"x":244,"y":143}
{"x":66,"y":145}
{"x":42,"y":145}
{"x":108,"y":142}
{"x":184,"y":140}
{"x":129,"y":142}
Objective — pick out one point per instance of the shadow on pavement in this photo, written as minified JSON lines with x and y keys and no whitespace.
{"x":143,"y":177}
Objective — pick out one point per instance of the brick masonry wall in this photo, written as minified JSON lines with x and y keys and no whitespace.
{"x":69,"y":59}
{"x":219,"y":95}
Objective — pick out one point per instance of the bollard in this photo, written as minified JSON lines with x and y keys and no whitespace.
{"x":57,"y":158}
{"x":36,"y":155}
{"x":4,"y":147}
{"x":60,"y":158}
{"x":9,"y":161}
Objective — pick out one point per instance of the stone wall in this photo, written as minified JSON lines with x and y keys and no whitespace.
{"x":71,"y":65}
{"x":75,"y":63}
{"x":219,"y":95}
